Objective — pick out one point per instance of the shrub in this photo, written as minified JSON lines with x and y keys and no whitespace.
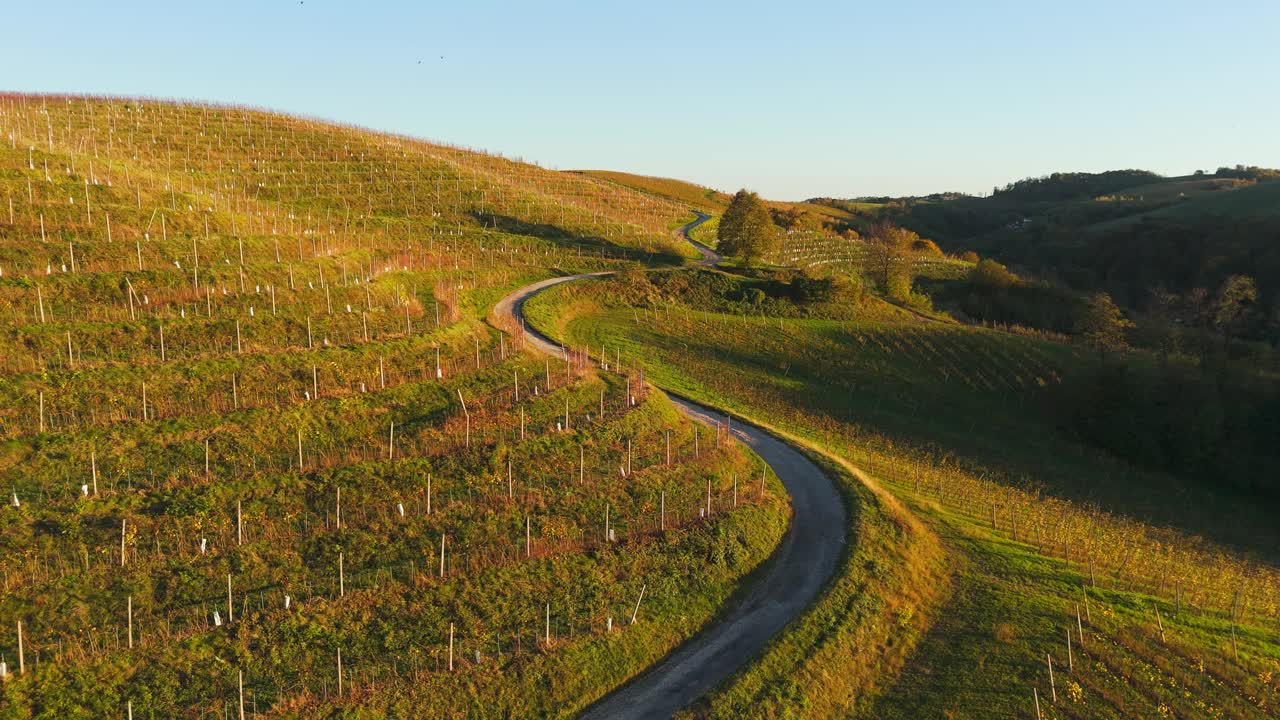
{"x":990,"y":275}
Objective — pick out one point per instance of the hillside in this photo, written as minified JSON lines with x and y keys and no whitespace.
{"x":1155,"y":244}
{"x":276,"y":441}
{"x":262,"y":450}
{"x":1000,"y":565}
{"x":713,"y":201}
{"x":694,"y":196}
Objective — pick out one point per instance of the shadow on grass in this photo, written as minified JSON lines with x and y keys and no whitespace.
{"x":564,"y":238}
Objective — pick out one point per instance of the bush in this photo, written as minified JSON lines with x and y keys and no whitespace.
{"x":807,"y":289}
{"x":990,"y":275}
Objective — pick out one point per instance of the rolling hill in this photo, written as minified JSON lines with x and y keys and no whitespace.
{"x":1134,"y":235}
{"x":270,"y":448}
{"x":261,"y":449}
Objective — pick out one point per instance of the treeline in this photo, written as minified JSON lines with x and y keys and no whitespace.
{"x":1244,"y":172}
{"x":1209,"y":422}
{"x":994,"y":295}
{"x":1169,"y":269}
{"x":853,"y":205}
{"x":1198,"y":400}
{"x":1069,"y":186}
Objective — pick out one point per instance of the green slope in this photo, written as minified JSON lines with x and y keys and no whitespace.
{"x":1031,"y":524}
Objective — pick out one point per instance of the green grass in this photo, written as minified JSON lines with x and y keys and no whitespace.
{"x":1013,"y":605}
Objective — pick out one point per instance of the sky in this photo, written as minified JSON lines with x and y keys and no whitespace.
{"x":793,"y":100}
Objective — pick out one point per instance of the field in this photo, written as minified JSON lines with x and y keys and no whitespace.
{"x":1177,"y":188}
{"x":1238,"y":200}
{"x":262,"y":452}
{"x":1177,"y":611}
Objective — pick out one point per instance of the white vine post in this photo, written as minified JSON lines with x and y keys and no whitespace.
{"x":468,"y":416}
{"x":1071,"y":664}
{"x":637,"y":608}
{"x":1053,"y":689}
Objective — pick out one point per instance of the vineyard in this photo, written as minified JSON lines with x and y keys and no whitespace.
{"x":263,"y":456}
{"x":268,"y":448}
{"x":1056,"y":558}
{"x":824,"y":253}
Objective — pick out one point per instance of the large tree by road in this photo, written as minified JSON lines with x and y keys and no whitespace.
{"x":747,"y":230}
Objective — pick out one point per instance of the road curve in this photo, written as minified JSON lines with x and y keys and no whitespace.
{"x":789,"y":582}
{"x":709,"y":256}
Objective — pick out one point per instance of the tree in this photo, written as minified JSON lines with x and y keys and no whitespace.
{"x":793,"y":218}
{"x":893,"y":250}
{"x":731,"y":221}
{"x":1102,"y":325}
{"x":1237,"y":293}
{"x":746,"y":228}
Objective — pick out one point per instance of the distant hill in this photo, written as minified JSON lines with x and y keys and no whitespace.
{"x":1132,"y":233}
{"x":1074,"y":186}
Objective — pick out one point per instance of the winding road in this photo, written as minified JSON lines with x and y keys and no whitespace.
{"x":789,"y":582}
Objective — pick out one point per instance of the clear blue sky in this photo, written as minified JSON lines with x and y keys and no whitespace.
{"x":836,"y":98}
